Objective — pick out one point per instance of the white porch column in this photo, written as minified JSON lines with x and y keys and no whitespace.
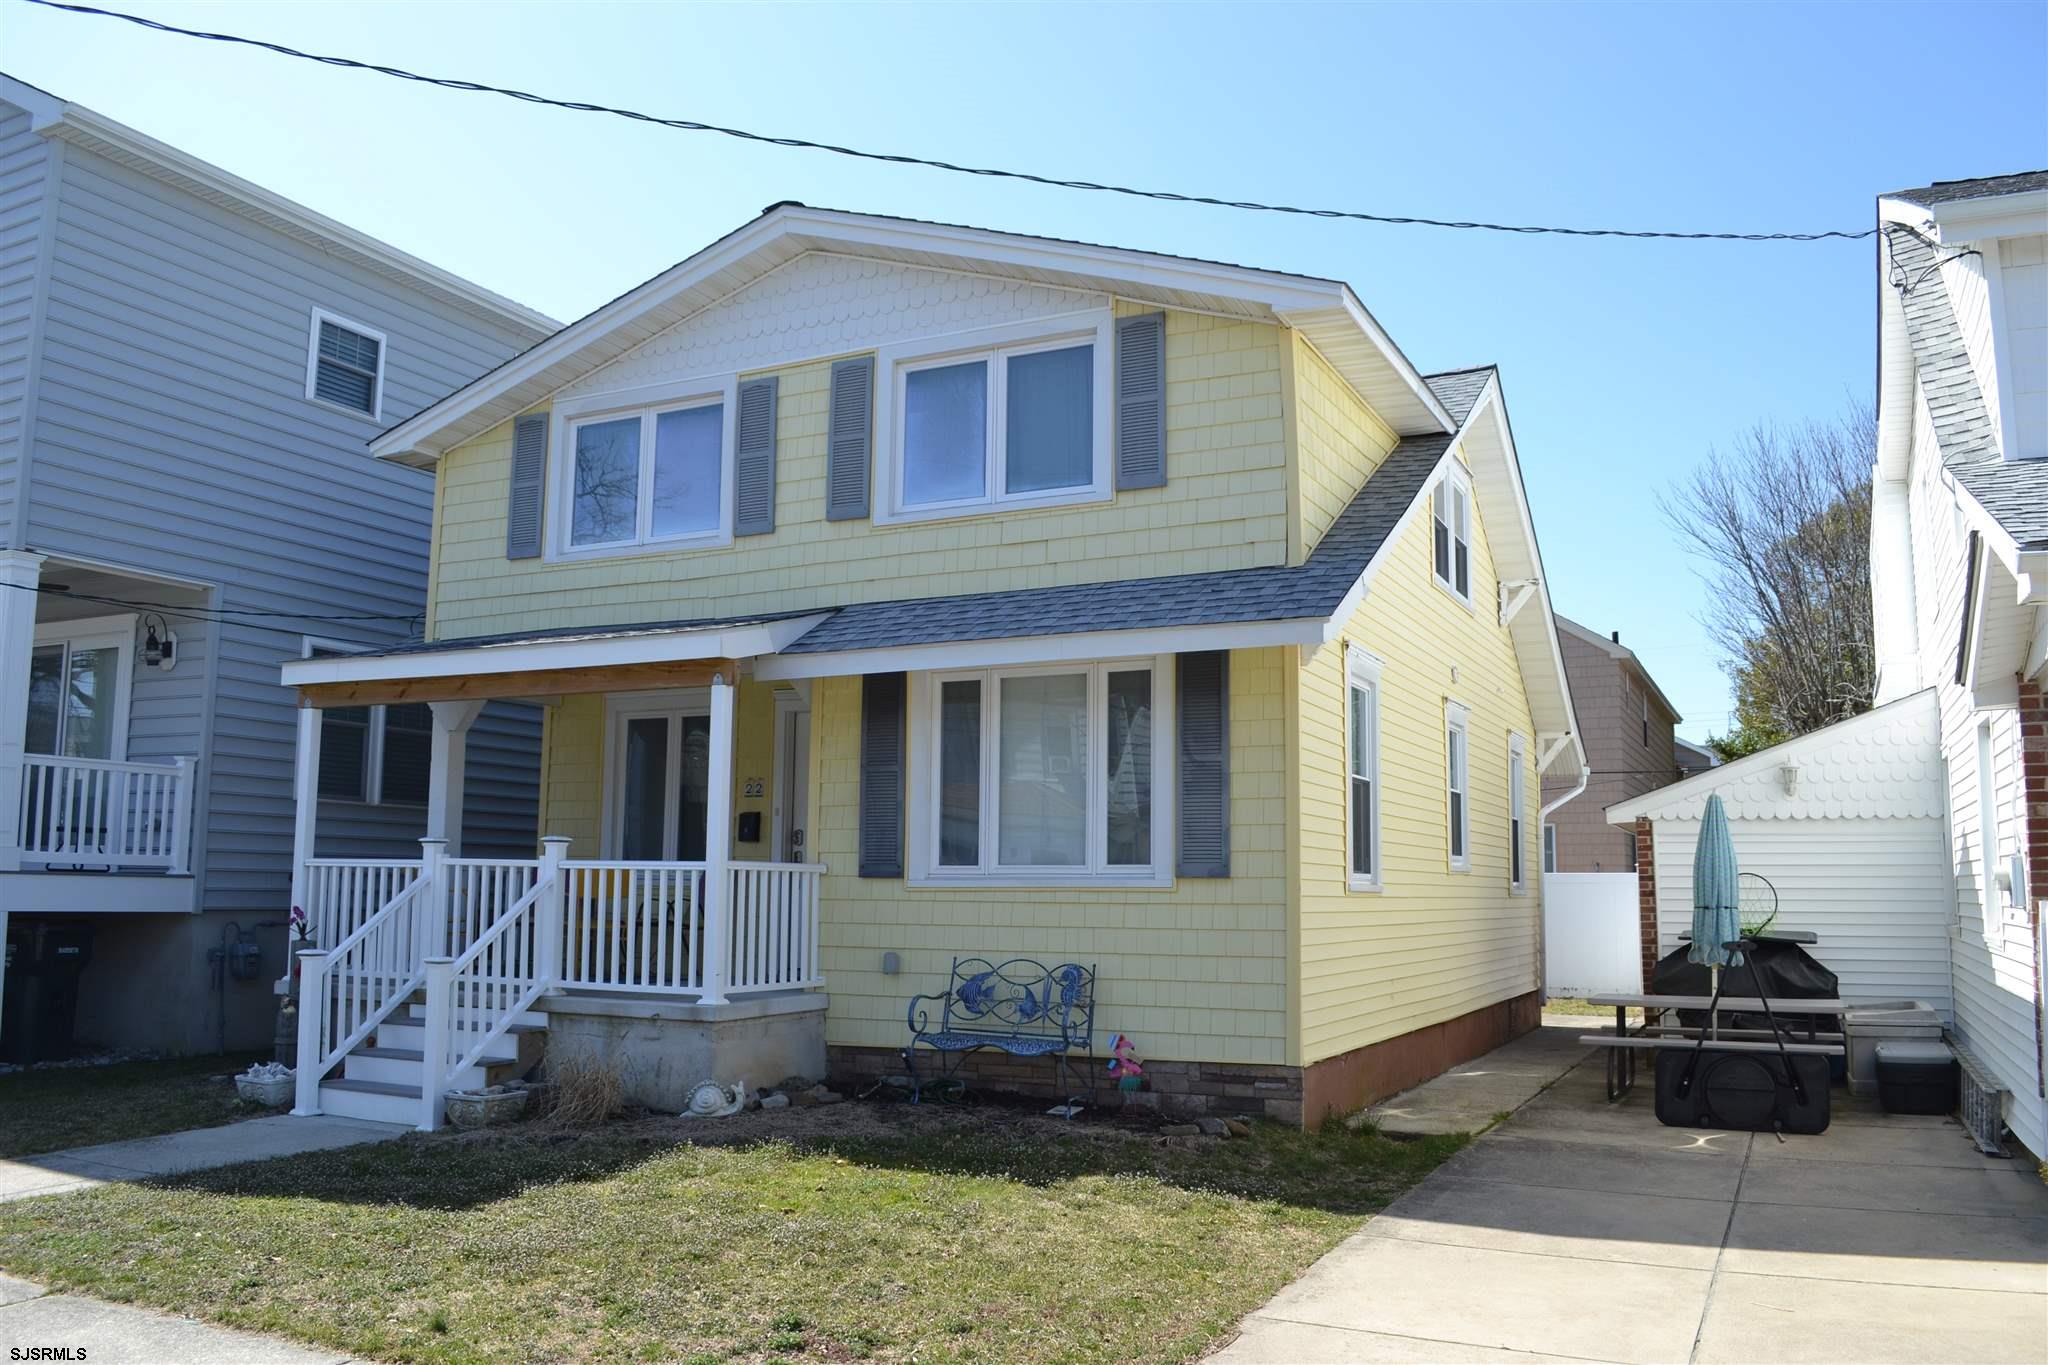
{"x":448,"y":754}
{"x":718,"y":843}
{"x":20,"y":572}
{"x":305,"y":802}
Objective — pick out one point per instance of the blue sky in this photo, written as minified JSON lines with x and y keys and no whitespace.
{"x":1624,"y":362}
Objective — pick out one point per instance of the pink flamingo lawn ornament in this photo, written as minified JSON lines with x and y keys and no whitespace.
{"x":1123,"y":1063}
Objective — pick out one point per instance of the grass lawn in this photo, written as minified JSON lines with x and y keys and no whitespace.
{"x":52,"y":1108}
{"x":972,"y":1233}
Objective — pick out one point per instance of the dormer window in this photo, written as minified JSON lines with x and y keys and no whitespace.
{"x":1451,"y":535}
{"x":1020,"y":420}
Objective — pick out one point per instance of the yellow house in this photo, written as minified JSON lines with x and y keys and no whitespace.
{"x":899,"y":592}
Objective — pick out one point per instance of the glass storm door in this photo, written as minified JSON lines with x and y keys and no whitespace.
{"x":663,"y":783}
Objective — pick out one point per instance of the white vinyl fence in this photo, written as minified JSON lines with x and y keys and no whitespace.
{"x":1592,"y":934}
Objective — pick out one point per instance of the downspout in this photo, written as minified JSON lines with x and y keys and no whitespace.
{"x":1585,"y":776}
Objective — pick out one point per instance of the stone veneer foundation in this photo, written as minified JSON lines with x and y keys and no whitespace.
{"x":1286,"y":1094}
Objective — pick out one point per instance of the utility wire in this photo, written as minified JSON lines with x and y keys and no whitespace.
{"x":227,"y":616}
{"x":991,"y":172}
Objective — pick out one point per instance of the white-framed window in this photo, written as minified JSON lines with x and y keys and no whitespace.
{"x":1987,"y":832}
{"x":1002,"y":418}
{"x":1644,"y":699}
{"x":1628,"y":851}
{"x":1043,"y":774}
{"x":372,"y":755}
{"x":647,"y":469}
{"x":79,"y":677}
{"x":1458,"y":783}
{"x":1450,"y":515}
{"x":1518,"y":871}
{"x":1550,"y":848}
{"x":345,"y":365}
{"x":1362,"y":769}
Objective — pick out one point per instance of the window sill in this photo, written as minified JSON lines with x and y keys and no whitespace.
{"x":1462,"y":868}
{"x":1041,"y":881}
{"x":1364,"y":886}
{"x":964,"y":511}
{"x":1447,"y":590}
{"x":641,"y":549}
{"x":345,"y":410}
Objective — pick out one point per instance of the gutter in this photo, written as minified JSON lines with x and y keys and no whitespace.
{"x":1585,"y":776}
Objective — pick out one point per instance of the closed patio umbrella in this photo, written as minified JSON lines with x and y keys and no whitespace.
{"x":1716,"y":894}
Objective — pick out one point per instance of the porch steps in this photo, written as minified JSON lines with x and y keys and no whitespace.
{"x":380,"y":1079}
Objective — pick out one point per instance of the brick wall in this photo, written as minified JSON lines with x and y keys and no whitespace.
{"x":1181,"y":1088}
{"x":1646,"y":896}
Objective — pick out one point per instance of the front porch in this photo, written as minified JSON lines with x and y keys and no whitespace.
{"x":422,"y":975}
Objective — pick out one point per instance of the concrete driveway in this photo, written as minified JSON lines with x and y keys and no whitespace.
{"x":1583,"y":1231}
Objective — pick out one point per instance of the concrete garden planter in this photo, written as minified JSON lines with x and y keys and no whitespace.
{"x":484,"y":1108}
{"x":269,"y":1085}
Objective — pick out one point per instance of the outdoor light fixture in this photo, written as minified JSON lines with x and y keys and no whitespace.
{"x":159,"y":646}
{"x":1788,"y":777}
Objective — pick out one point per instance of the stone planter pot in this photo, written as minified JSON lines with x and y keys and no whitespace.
{"x":483,"y":1108}
{"x":269,"y":1093}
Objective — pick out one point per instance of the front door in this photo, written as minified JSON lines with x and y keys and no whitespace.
{"x":792,"y":784}
{"x":662,"y":764}
{"x":78,"y":688}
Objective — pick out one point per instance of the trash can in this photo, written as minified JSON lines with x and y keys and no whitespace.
{"x":44,"y":960}
{"x":1893,"y":1022}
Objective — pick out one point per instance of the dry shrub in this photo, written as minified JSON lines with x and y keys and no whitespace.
{"x":584,"y":1091}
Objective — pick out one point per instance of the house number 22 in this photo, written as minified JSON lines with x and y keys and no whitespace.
{"x":753,"y":786}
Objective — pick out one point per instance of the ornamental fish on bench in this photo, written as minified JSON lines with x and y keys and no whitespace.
{"x":1019,"y":1007}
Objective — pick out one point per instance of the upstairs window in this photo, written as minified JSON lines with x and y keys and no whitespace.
{"x":1451,"y":535}
{"x":656,"y":476}
{"x":1016,"y":423}
{"x":345,"y":365}
{"x":1457,"y":784}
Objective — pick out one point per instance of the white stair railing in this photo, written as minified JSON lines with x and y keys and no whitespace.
{"x":475,"y":997}
{"x":480,"y":891}
{"x":342,"y":893}
{"x":102,"y":813}
{"x":346,"y":991}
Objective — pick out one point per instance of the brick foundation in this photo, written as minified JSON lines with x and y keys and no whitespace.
{"x":1284,"y":1094}
{"x":2034,"y":836}
{"x":1348,"y":1082}
{"x":1189,"y":1089}
{"x":1646,"y":895}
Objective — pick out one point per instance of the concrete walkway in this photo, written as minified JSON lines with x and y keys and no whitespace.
{"x":1583,"y":1231}
{"x":1470,"y":1097}
{"x":114,"y":1334}
{"x":199,"y":1149}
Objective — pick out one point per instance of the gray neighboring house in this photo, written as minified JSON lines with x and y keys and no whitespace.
{"x":1627,"y":723}
{"x":190,"y":367}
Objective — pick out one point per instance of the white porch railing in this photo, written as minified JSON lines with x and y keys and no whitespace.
{"x":99,"y":813}
{"x":489,"y":937}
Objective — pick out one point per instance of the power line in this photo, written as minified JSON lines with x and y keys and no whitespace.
{"x":901,"y":159}
{"x":227,"y":616}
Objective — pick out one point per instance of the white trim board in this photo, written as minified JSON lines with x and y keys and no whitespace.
{"x":1035,"y":649}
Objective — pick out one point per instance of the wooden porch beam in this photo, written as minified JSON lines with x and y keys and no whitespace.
{"x":549,"y":682}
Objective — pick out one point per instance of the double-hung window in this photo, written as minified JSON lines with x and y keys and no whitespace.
{"x":1450,"y":514}
{"x":1518,"y":872}
{"x":1043,"y":774}
{"x":658,"y":475}
{"x":345,"y":365}
{"x":1362,"y":727}
{"x":1019,"y":420}
{"x":1550,"y":848}
{"x":1457,"y":784}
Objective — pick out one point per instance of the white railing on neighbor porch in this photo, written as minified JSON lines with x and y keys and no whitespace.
{"x":488,"y":937}
{"x":99,"y":813}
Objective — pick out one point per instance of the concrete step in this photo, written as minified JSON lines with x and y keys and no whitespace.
{"x":381,"y":1101}
{"x":524,"y":1019}
{"x":410,"y":1035}
{"x":402,"y":1066}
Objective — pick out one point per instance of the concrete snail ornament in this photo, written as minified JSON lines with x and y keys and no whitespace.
{"x":710,"y":1100}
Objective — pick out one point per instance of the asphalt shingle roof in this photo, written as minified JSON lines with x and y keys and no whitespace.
{"x":2014,"y":492}
{"x":1984,"y":187}
{"x":1459,"y":390}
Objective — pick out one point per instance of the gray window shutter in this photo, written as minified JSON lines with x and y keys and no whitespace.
{"x":1204,"y":709}
{"x":754,"y":459}
{"x":1141,"y":401}
{"x":847,"y":457}
{"x":881,"y":775}
{"x":529,"y":479}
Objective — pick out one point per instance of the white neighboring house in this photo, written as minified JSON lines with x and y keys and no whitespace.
{"x":1959,"y":569}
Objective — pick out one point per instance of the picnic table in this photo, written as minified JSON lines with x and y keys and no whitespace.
{"x":1622,"y":1044}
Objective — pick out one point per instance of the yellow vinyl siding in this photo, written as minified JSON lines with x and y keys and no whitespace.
{"x":1433,"y":944}
{"x":1339,"y":442}
{"x":1195,"y":972}
{"x":1224,"y":506}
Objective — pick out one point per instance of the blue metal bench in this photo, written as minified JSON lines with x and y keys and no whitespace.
{"x":1020,"y":1007}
